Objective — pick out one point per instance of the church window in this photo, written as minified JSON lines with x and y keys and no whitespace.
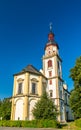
{"x":50,"y":81}
{"x":49,"y":63}
{"x":61,"y":94}
{"x":33,"y":88}
{"x":51,"y":93}
{"x":58,"y":64}
{"x":19,"y":88}
{"x":66,"y":98}
{"x":50,"y":73}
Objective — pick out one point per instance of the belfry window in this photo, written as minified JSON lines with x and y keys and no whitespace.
{"x":19,"y":88}
{"x":49,"y":63}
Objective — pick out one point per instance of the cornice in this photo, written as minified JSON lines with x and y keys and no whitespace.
{"x":52,"y":55}
{"x":56,"y":77}
{"x":26,"y":95}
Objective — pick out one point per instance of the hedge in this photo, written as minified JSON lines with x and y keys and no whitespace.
{"x":31,"y":124}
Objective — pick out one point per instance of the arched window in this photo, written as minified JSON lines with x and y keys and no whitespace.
{"x":49,"y":63}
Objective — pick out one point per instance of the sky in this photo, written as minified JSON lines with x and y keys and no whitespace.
{"x":24,"y":28}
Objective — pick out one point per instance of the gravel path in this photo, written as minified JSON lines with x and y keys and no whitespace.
{"x":15,"y":128}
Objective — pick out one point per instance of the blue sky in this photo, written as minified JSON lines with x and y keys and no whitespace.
{"x":24,"y":27}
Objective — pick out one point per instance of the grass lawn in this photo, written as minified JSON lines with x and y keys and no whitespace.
{"x":71,"y":126}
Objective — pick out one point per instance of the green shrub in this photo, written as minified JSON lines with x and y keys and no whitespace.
{"x":1,"y":123}
{"x":4,"y":123}
{"x":44,"y":123}
{"x":31,"y":124}
{"x":78,"y":122}
{"x":15,"y":123}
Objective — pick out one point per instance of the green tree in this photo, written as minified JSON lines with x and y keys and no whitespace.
{"x":45,"y":108}
{"x":5,"y":109}
{"x":75,"y":98}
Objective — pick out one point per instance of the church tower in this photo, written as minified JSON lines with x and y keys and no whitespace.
{"x":30,"y":83}
{"x":52,"y":69}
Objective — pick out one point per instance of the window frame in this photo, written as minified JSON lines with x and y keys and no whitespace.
{"x":51,"y":93}
{"x":20,"y":88}
{"x":49,"y":63}
{"x":34,"y":88}
{"x":50,"y":73}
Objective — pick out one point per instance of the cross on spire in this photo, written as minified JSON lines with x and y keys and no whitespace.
{"x":50,"y":25}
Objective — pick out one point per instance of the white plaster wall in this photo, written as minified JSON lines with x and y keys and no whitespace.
{"x":34,"y":76}
{"x":21,"y":76}
{"x":55,"y":102}
{"x":53,"y":87}
{"x":49,"y":69}
{"x":55,"y":49}
{"x":31,"y":106}
{"x":19,"y":109}
{"x":16,"y":99}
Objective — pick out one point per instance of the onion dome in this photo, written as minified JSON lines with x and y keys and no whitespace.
{"x":51,"y":40}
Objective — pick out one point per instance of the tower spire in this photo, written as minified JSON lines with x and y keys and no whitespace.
{"x":50,"y":25}
{"x":51,"y":34}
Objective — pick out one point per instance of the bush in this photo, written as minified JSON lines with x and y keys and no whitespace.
{"x":48,"y":124}
{"x":31,"y":124}
{"x":78,"y":122}
{"x":15,"y":123}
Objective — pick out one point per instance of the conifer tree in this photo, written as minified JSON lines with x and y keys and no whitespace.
{"x":45,"y":108}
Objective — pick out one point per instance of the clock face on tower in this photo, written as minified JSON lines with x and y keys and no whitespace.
{"x":49,"y":50}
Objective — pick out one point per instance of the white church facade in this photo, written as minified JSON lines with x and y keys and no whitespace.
{"x":30,"y":83}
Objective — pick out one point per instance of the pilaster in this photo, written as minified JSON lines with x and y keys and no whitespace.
{"x":12,"y":110}
{"x":25,"y":110}
{"x":14,"y":88}
{"x":40,"y":85}
{"x":26,"y":86}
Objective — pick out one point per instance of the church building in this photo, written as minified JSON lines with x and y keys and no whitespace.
{"x":30,"y":83}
